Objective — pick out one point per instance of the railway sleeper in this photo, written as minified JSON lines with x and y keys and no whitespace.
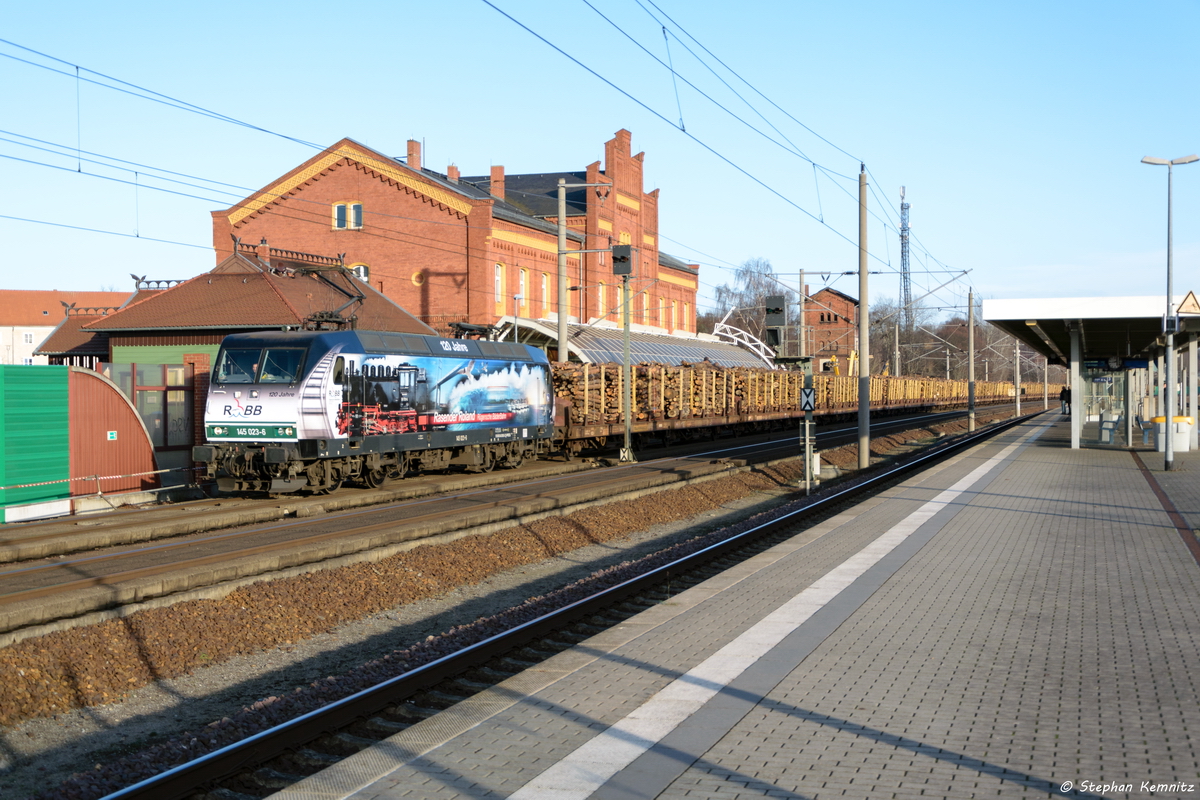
{"x":407,"y":712}
{"x":487,"y":675}
{"x":515,"y":665}
{"x":381,"y":727}
{"x":437,"y":700}
{"x":272,"y":779}
{"x":344,"y":744}
{"x":221,"y":793}
{"x":307,"y":759}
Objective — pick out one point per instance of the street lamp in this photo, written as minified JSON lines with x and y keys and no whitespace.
{"x":1169,"y":319}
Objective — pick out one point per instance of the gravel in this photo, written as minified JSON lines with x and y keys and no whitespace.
{"x":114,"y":699}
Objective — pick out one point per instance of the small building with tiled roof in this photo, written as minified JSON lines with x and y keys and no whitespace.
{"x":462,"y":249}
{"x":159,"y":346}
{"x":27,"y":317}
{"x":255,"y":288}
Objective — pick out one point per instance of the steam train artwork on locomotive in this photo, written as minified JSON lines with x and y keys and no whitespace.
{"x":308,"y":410}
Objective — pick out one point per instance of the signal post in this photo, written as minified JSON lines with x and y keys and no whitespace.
{"x":776,"y":321}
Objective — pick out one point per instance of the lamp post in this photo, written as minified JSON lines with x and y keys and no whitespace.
{"x":517,"y":298}
{"x":562,"y":255}
{"x":1169,"y":319}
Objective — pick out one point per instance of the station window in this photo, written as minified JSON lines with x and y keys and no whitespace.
{"x":499,"y":288}
{"x":523,"y":288}
{"x":603,"y":311}
{"x":362,"y":272}
{"x":29,"y":338}
{"x":545,"y":292}
{"x":347,"y":216}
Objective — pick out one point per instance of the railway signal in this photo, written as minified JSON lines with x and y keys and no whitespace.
{"x":775,"y":321}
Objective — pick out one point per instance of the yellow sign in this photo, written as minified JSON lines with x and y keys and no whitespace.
{"x":1189,"y":305}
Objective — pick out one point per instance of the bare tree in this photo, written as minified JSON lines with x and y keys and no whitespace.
{"x":746,"y":296}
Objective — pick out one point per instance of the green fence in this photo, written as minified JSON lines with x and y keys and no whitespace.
{"x":35,"y":444}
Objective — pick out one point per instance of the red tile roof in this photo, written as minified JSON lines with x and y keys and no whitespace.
{"x":241,"y":294}
{"x":31,"y":307}
{"x":70,"y":338}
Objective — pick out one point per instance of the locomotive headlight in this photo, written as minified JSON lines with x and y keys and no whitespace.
{"x":219,"y":431}
{"x":254,"y":393}
{"x":288,"y":432}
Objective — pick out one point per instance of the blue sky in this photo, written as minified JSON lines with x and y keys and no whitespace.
{"x":1017,"y":128}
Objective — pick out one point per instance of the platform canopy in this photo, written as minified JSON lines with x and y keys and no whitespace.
{"x":1110,"y":327}
{"x":594,"y":344}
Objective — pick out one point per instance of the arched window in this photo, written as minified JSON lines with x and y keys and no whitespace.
{"x":362,"y":272}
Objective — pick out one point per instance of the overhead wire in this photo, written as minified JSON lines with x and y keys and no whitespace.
{"x":142,"y":92}
{"x":148,"y":94}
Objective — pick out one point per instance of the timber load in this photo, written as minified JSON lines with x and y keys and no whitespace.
{"x":699,"y":395}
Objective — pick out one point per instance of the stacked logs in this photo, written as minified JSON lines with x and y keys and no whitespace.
{"x":704,"y":389}
{"x":673,"y":392}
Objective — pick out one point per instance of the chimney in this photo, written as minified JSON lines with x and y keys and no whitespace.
{"x":498,"y":182}
{"x":414,"y":154}
{"x":452,"y":173}
{"x":263,"y":252}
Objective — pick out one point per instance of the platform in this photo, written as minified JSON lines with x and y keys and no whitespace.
{"x":1022,"y":620}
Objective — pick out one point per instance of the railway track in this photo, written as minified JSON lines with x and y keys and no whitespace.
{"x":283,"y":755}
{"x":38,"y":592}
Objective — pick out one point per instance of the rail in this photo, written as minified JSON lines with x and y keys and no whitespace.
{"x":183,"y":780}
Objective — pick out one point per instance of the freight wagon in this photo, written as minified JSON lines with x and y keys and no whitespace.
{"x":304,"y":410}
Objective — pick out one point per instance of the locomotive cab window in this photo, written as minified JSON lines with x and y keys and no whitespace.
{"x":281,"y":365}
{"x":238,"y":365}
{"x":339,"y":370}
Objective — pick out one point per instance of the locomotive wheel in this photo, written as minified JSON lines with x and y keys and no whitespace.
{"x":331,"y":488}
{"x":516,"y":456}
{"x":374,"y":478}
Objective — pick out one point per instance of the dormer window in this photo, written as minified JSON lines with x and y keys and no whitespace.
{"x":347,"y":216}
{"x":362,"y":272}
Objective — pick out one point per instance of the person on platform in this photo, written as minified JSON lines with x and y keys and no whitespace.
{"x":1064,"y":397}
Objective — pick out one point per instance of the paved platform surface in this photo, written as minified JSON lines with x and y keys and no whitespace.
{"x":1020,"y":621}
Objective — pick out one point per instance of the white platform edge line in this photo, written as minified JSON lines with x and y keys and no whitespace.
{"x":595,"y":762}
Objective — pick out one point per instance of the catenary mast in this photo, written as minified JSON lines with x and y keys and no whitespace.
{"x":905,"y":275}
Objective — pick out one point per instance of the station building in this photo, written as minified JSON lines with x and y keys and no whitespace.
{"x":478,"y":249}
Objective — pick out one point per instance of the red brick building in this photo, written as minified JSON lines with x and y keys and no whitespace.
{"x":833,"y":319}
{"x":450,"y":248}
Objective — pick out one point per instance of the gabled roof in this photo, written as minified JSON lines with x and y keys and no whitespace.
{"x":842,"y":295}
{"x":460,"y":196}
{"x":665,"y":260}
{"x":242,"y":293}
{"x":71,"y":338}
{"x":353,"y":151}
{"x":536,"y":194}
{"x":31,"y":307}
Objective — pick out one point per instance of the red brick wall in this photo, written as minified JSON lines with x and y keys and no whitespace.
{"x":439,"y":264}
{"x":834,"y":322}
{"x":416,"y":249}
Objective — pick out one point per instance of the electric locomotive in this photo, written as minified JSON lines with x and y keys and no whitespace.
{"x":308,"y":410}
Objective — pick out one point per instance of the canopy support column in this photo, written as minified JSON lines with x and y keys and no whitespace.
{"x":1076,"y":389}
